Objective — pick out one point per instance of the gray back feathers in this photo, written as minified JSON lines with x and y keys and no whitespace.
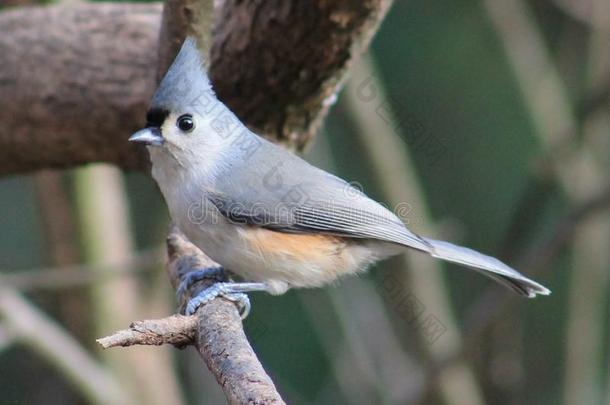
{"x":278,"y":190}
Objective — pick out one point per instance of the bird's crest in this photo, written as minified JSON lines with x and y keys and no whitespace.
{"x":186,"y":83}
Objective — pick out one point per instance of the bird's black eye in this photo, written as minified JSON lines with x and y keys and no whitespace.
{"x":185,"y":123}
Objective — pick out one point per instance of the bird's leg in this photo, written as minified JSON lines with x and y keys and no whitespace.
{"x":235,"y":292}
{"x":217,"y":273}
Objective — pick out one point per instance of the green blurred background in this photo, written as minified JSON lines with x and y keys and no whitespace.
{"x":485,"y":122}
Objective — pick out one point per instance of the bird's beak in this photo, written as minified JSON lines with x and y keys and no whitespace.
{"x":148,"y":136}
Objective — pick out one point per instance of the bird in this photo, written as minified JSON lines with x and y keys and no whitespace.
{"x":263,"y":213}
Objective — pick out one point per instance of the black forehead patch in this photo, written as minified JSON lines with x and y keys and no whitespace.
{"x":155,"y":117}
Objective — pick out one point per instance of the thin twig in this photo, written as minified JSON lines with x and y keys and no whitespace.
{"x":216,"y":331}
{"x":54,"y":278}
{"x":32,"y":327}
{"x":177,"y":330}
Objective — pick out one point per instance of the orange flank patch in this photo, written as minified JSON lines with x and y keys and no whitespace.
{"x":301,"y":247}
{"x":301,"y":260}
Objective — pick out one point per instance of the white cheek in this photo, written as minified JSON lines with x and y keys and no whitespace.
{"x":210,"y":134}
{"x":207,"y":148}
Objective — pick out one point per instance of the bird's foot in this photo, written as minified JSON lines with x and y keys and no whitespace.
{"x":235,"y":292}
{"x":215,"y":273}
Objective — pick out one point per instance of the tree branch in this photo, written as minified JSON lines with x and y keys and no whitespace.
{"x":181,"y":18}
{"x":280,"y":64}
{"x":215,"y":330}
{"x":75,"y":81}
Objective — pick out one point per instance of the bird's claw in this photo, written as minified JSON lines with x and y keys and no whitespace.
{"x":224,"y":290}
{"x":216,"y":273}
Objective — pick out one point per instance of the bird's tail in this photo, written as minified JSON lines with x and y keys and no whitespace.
{"x":487,"y":265}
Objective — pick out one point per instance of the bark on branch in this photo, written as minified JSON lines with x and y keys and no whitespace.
{"x":215,"y":330}
{"x":75,"y":80}
{"x":74,"y":83}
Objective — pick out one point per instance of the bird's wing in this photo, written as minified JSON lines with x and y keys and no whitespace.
{"x":279,"y":191}
{"x":299,"y":198}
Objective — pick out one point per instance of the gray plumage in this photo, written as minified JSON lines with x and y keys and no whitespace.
{"x":297,"y":197}
{"x":244,"y":183}
{"x":185,"y":81}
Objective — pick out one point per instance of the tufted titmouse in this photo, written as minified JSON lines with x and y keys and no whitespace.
{"x":264,"y":213}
